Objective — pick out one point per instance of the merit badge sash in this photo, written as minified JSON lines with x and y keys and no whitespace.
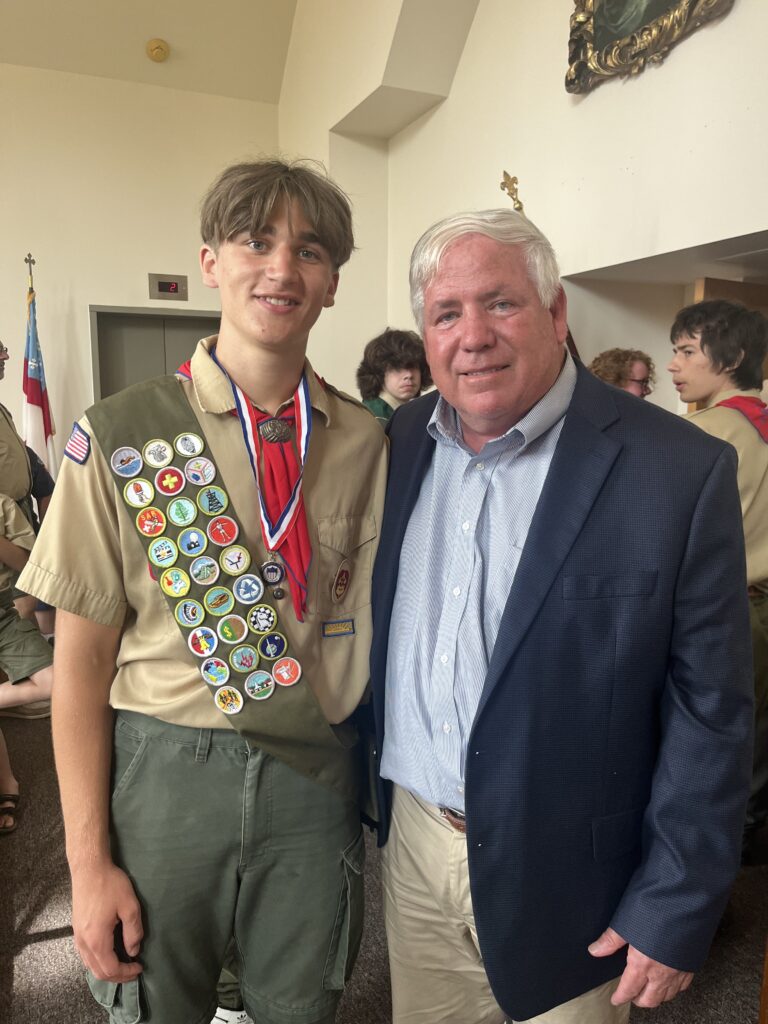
{"x":753,"y":408}
{"x":192,"y":536}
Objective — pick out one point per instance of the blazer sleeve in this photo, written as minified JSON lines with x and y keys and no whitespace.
{"x":692,"y":827}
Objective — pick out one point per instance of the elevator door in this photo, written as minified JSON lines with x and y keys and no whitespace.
{"x":134,"y":346}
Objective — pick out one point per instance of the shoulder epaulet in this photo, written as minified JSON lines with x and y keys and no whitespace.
{"x":343,"y":395}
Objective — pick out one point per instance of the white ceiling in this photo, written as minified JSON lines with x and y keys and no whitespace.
{"x":229,"y":48}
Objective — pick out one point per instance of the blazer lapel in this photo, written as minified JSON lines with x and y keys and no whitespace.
{"x":582,"y":460}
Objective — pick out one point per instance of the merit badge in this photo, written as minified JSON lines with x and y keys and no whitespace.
{"x":213,"y":500}
{"x":271,"y":646}
{"x":204,"y":570}
{"x":189,"y":613}
{"x":262,"y":618}
{"x":340,"y":583}
{"x":151,"y":521}
{"x":259,"y":685}
{"x":175,"y":583}
{"x":232,"y":629}
{"x":189,"y":445}
{"x":248,"y":589}
{"x":182,"y":511}
{"x":223,"y":531}
{"x":202,"y":641}
{"x":219,"y":601}
{"x":162,"y":552}
{"x":286,"y":672}
{"x":126,"y":462}
{"x":169,"y":481}
{"x":215,"y":671}
{"x":200,"y":471}
{"x":244,"y":658}
{"x":157,"y":453}
{"x":229,"y":700}
{"x":234,"y":560}
{"x":139,"y":492}
{"x":192,"y":541}
{"x":273,"y":572}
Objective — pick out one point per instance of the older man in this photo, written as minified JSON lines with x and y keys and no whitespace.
{"x":560,"y":663}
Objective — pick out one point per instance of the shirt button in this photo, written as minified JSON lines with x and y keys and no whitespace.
{"x":465,"y":527}
{"x":456,"y":591}
{"x":443,"y":659}
{"x":446,"y":727}
{"x":460,"y":789}
{"x":480,"y":465}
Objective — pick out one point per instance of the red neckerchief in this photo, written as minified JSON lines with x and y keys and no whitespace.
{"x":278,"y":475}
{"x":754,"y":409}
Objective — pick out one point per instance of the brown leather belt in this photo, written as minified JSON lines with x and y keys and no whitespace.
{"x":455,"y":818}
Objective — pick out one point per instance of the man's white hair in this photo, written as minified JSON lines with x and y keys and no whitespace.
{"x":504,"y":226}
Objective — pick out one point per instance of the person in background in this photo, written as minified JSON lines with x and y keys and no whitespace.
{"x":26,"y":656}
{"x":562,"y":694}
{"x":625,"y":368}
{"x":719,"y":353}
{"x":393,"y":370}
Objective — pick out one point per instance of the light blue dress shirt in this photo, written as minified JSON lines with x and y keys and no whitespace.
{"x":457,"y":564}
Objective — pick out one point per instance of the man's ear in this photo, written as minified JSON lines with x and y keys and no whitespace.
{"x":209,"y":266}
{"x":559,"y":313}
{"x":330,"y":299}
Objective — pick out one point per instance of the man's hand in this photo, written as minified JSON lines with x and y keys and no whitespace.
{"x":645,"y":982}
{"x":102,"y":898}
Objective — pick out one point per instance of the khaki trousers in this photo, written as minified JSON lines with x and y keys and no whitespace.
{"x":437,"y":970}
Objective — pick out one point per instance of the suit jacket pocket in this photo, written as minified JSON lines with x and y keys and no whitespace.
{"x":343,"y":562}
{"x":630,"y":584}
{"x":616,"y":834}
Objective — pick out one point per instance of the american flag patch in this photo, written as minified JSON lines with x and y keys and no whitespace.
{"x":78,"y":447}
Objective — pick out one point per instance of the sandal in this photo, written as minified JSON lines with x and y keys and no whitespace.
{"x":9,"y":812}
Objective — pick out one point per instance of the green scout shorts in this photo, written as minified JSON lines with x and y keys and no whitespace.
{"x":23,"y":648}
{"x":221,"y":839}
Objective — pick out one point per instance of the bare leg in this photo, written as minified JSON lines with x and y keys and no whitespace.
{"x":8,"y":783}
{"x":25,"y":606}
{"x":37,"y":687}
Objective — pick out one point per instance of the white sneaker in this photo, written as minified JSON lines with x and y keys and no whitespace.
{"x":231,"y":1017}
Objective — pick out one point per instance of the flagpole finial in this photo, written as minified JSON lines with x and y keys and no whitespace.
{"x":509,"y":184}
{"x":30,"y":263}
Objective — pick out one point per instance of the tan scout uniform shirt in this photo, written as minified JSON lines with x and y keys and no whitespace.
{"x":15,"y":528}
{"x":733,"y":426}
{"x":89,"y":559}
{"x":15,"y":474}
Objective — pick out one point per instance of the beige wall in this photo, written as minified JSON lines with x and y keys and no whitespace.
{"x":101,"y":180}
{"x":113,"y":172}
{"x":619,"y":315}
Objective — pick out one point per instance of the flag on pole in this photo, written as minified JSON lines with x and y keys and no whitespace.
{"x":37,"y":425}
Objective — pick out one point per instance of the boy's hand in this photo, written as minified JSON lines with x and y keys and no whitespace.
{"x":103,"y":900}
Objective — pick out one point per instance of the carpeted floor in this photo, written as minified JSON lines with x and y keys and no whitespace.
{"x":41,"y":982}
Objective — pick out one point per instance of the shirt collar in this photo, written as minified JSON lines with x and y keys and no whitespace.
{"x":732,"y":393}
{"x":444,"y":423}
{"x":214,"y":391}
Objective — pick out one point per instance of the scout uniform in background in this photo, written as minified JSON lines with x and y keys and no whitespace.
{"x":155,"y":528}
{"x":739,"y":417}
{"x":23,"y":649}
{"x":14,"y":465}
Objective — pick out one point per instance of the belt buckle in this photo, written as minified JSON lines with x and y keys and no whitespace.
{"x":454,"y":818}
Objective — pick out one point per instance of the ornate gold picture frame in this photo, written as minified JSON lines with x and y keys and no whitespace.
{"x":619,"y":37}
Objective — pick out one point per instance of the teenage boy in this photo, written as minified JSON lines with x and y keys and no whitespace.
{"x":234,"y":798}
{"x":720,"y":349}
{"x":393,"y":370}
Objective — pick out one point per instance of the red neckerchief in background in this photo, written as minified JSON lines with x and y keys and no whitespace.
{"x":278,"y":478}
{"x":753,"y":408}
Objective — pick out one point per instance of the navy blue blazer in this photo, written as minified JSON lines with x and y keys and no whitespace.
{"x":609,"y":761}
